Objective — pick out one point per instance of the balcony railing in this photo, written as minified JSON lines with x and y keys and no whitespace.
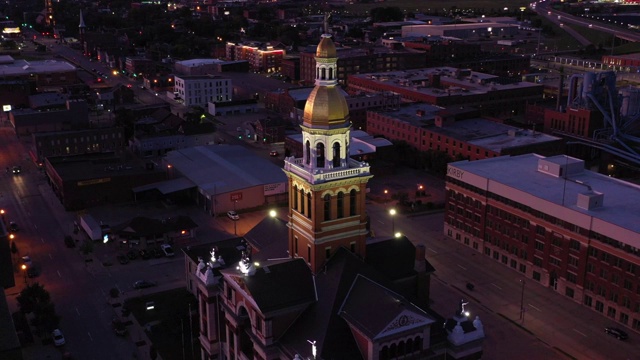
{"x":356,"y":168}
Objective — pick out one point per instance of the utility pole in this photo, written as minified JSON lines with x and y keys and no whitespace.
{"x":522,"y":301}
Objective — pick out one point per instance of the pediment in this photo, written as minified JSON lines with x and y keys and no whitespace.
{"x":405,"y":321}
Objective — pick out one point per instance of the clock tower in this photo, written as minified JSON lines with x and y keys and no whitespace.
{"x":327,"y":189}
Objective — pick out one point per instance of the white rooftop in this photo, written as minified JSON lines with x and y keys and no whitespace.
{"x":23,"y":67}
{"x":523,"y":179}
{"x":199,"y":62}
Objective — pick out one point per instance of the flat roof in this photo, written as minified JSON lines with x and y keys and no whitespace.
{"x":95,"y":166}
{"x":218,"y":169}
{"x":418,"y":81}
{"x":518,"y":178}
{"x":200,"y":62}
{"x":20,"y":66}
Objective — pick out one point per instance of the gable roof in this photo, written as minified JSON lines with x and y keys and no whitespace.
{"x":267,"y":239}
{"x":393,"y":257}
{"x":393,"y":313}
{"x":270,"y":285}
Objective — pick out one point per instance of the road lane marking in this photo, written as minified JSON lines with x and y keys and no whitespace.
{"x":50,"y":257}
{"x":535,"y":307}
{"x":77,"y":311}
{"x":42,"y":239}
{"x":462,"y":267}
{"x":430,"y":249}
{"x":90,"y":337}
{"x":59,"y":273}
{"x":579,"y":332}
{"x":496,"y":286}
{"x":34,"y":225}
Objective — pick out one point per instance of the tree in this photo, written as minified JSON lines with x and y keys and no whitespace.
{"x":31,"y":297}
{"x":86,"y":247}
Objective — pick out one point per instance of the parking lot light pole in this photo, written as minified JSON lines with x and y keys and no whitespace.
{"x":392,"y":213}
{"x":235,"y":222}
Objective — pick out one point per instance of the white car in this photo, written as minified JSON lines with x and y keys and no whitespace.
{"x":58,"y":338}
{"x":167,"y":250}
{"x":233,"y":215}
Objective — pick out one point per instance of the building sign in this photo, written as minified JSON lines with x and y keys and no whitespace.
{"x":236,"y":196}
{"x":456,"y":173}
{"x":273,"y":189}
{"x":6,"y":108}
{"x":94,"y":181}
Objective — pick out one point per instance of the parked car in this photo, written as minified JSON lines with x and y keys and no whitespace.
{"x":145,"y":254}
{"x":167,"y":249}
{"x":143,"y":284}
{"x":273,"y":153}
{"x":132,"y":254}
{"x":119,"y":327}
{"x":122,"y":259}
{"x":617,"y":333}
{"x":69,"y":242}
{"x":16,"y":170}
{"x":157,"y":253}
{"x":13,"y":227}
{"x":58,"y":337}
{"x":233,"y":215}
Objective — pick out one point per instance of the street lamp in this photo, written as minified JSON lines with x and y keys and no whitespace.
{"x":522,"y":301}
{"x":24,"y":270}
{"x":392,"y":213}
{"x":235,"y":222}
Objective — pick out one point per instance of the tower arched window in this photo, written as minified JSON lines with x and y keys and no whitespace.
{"x":295,"y":197}
{"x":340,"y":205}
{"x":336,"y":155}
{"x":323,"y":74}
{"x":302,"y":197}
{"x":307,"y":156}
{"x":320,"y":155}
{"x":352,"y":202}
{"x":330,"y":73}
{"x":327,"y":207}
{"x":309,"y":205}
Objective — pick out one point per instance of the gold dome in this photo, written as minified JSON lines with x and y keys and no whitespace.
{"x":326,"y":107}
{"x":326,"y":48}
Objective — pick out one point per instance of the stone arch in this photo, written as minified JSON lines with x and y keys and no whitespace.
{"x":320,"y":155}
{"x":336,"y":155}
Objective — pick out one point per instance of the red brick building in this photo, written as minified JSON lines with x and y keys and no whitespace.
{"x":447,"y":87}
{"x":547,"y":220}
{"x":458,"y":132}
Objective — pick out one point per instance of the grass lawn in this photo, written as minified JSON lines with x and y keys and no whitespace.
{"x":170,"y":333}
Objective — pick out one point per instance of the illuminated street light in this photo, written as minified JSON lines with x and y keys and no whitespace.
{"x":273,"y":213}
{"x":24,"y":270}
{"x":393,"y":212}
{"x":398,"y":235}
